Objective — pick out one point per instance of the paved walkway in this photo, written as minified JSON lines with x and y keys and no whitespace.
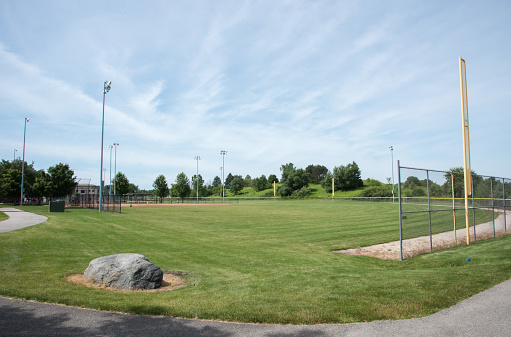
{"x":19,"y":219}
{"x":485,"y":314}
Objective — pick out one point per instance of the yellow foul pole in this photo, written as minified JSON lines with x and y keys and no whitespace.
{"x":466,"y":141}
{"x":333,"y":189}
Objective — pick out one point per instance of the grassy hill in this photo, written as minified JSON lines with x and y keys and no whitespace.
{"x":317,"y":192}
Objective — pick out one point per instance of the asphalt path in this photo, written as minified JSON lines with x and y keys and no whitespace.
{"x":19,"y":219}
{"x":485,"y":314}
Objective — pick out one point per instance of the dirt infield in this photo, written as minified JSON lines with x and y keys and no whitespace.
{"x":169,"y":205}
{"x":423,"y":244}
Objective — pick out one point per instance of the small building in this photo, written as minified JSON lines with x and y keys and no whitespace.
{"x":87,"y":189}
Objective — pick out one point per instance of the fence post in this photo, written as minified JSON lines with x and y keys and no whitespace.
{"x":429,"y":212}
{"x":492,"y":206}
{"x":454,"y":209}
{"x":504,"y":200}
{"x":400,"y":211}
{"x":473,"y":209}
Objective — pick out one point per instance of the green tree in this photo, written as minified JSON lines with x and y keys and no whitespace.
{"x":160,"y":186}
{"x":459,"y":181}
{"x":11,"y":183}
{"x":273,"y":178}
{"x":292,"y":180}
{"x":345,"y":178}
{"x":121,"y":184}
{"x":217,"y":181}
{"x":181,"y":188}
{"x":228,"y":179}
{"x":61,"y":181}
{"x":260,"y":184}
{"x":28,"y":181}
{"x":236,"y":185}
{"x":41,"y":187}
{"x":202,"y":189}
{"x":317,"y":173}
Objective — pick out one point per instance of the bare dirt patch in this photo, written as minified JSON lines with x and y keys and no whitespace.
{"x":425,"y":244}
{"x":171,"y":281}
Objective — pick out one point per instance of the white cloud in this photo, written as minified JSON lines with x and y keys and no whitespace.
{"x":304,"y":82}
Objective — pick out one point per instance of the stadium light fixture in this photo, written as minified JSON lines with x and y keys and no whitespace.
{"x":14,"y":155}
{"x":23,"y":163}
{"x":106,"y":88}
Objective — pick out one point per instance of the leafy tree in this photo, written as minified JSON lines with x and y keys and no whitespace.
{"x":459,"y":181}
{"x":11,"y":183}
{"x":160,"y":186}
{"x":247,"y":181}
{"x":61,"y":182}
{"x":260,"y":184}
{"x":133,"y":188}
{"x":273,"y":178}
{"x":286,"y":169}
{"x":317,"y":173}
{"x":181,"y":188}
{"x":292,"y":179}
{"x":201,"y":186}
{"x":28,"y":181}
{"x":236,"y":185}
{"x":41,"y":187}
{"x":217,"y":181}
{"x":122,"y":184}
{"x":228,"y":179}
{"x":345,"y":178}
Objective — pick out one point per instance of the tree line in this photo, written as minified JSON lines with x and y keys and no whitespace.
{"x":294,"y":182}
{"x":57,"y":182}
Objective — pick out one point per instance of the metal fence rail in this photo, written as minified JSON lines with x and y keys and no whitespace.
{"x":431,"y":206}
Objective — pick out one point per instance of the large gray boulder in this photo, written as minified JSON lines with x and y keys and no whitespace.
{"x":124,"y":271}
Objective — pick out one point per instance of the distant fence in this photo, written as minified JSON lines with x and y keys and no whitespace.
{"x":111,"y":203}
{"x":432,"y":207}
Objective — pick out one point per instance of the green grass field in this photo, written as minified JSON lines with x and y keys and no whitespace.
{"x":265,"y":261}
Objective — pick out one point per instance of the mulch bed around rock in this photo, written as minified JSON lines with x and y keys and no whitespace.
{"x":171,"y":281}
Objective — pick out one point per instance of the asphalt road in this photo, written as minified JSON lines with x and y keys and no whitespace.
{"x":485,"y":314}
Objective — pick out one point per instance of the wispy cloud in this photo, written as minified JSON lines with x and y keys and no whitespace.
{"x":303,"y":82}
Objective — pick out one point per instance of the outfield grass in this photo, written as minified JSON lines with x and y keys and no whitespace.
{"x":266,"y":261}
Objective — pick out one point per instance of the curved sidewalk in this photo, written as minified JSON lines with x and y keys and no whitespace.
{"x":19,"y":219}
{"x":485,"y":314}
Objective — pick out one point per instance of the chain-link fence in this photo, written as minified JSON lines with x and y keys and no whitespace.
{"x":432,"y":207}
{"x":111,"y":203}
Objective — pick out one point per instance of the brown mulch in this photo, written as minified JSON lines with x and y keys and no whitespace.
{"x":171,"y":281}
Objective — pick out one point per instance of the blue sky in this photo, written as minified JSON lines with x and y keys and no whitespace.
{"x":270,"y":82}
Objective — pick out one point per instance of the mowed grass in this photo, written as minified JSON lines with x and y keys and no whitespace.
{"x":267,"y":261}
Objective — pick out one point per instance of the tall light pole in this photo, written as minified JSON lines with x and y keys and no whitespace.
{"x":110,"y":188}
{"x":223,"y":153}
{"x":197,"y":177}
{"x":115,"y":165}
{"x":23,"y":163}
{"x":14,"y":155}
{"x":392,"y":155}
{"x":106,"y":88}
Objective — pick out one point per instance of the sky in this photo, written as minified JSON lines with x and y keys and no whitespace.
{"x":318,"y":82}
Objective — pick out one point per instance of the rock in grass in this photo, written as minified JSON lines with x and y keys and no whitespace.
{"x":124,"y":271}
